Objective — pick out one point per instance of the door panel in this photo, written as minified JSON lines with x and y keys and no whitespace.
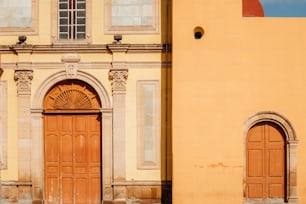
{"x":255,"y":163}
{"x":256,"y":167}
{"x":255,"y":190}
{"x":72,"y":159}
{"x":265,"y":165}
{"x":275,"y":161}
{"x":67,"y":189}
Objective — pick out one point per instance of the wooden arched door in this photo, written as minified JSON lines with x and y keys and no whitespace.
{"x":72,"y":145}
{"x":265,"y":162}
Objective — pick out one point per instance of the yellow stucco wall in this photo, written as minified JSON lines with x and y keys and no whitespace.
{"x":240,"y":67}
{"x":11,"y":172}
{"x":42,"y":73}
{"x":98,"y":35}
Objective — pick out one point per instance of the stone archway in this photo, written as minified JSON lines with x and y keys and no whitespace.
{"x":72,"y":144}
{"x":37,"y":146}
{"x":291,"y":151}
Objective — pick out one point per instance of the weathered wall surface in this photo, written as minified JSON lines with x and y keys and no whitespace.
{"x":94,"y":59}
{"x":240,"y":67}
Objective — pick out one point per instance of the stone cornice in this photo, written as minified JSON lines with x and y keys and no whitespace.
{"x":91,"y":65}
{"x":118,"y":47}
{"x":81,"y":48}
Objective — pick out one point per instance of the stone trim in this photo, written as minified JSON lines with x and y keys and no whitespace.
{"x":138,"y":191}
{"x":93,"y":65}
{"x":33,"y":30}
{"x":71,"y":64}
{"x":82,"y":48}
{"x":3,"y":124}
{"x":118,"y":75}
{"x":142,"y":163}
{"x":291,"y":152}
{"x":153,"y":29}
{"x":23,"y":76}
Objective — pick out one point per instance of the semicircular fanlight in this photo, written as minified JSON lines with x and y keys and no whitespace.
{"x":72,"y":99}
{"x":71,"y":96}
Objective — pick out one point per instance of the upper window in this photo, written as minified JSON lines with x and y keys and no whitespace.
{"x":132,"y":16}
{"x":70,"y":22}
{"x":72,"y":18}
{"x":18,"y":16}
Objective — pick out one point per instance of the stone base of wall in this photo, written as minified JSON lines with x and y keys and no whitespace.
{"x":16,"y":192}
{"x":143,"y":192}
{"x":134,"y":192}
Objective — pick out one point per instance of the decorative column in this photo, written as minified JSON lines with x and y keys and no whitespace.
{"x":118,"y":76}
{"x":292,"y":186}
{"x":107,"y":159}
{"x":37,"y":154}
{"x":118,"y":79}
{"x":23,"y":78}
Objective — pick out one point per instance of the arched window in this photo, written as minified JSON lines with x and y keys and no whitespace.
{"x":270,"y":164}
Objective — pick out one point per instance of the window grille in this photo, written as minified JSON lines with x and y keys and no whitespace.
{"x":72,"y":18}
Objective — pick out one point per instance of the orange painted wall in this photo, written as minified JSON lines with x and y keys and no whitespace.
{"x":241,"y":66}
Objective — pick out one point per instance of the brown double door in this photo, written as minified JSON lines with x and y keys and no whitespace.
{"x":72,"y":158}
{"x":265,"y":162}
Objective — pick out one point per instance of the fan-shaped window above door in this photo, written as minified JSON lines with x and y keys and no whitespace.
{"x":72,"y":96}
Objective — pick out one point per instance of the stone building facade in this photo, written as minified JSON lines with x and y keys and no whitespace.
{"x":238,"y":103}
{"x":84,"y":96}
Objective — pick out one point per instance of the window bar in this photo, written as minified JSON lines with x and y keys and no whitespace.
{"x":74,"y":18}
{"x":72,"y":28}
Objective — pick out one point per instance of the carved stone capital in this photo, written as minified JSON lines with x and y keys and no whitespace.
{"x":23,"y":79}
{"x":118,"y":79}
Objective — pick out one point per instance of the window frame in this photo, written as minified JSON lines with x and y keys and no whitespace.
{"x":153,"y":29}
{"x":33,"y":30}
{"x":55,"y":25}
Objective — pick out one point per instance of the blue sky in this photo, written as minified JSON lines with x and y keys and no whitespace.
{"x":284,"y":8}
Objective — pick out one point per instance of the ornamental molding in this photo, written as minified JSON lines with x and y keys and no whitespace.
{"x":71,"y":70}
{"x":88,"y":48}
{"x":118,"y":79}
{"x":94,"y":65}
{"x":71,"y":95}
{"x":71,"y":65}
{"x":118,"y":47}
{"x":23,"y":79}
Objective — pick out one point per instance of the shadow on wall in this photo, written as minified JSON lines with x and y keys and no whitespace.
{"x":166,"y":105}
